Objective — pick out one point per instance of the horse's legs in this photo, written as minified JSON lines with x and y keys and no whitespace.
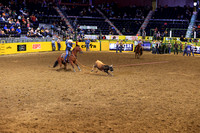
{"x":71,"y":62}
{"x":77,"y":66}
{"x":65,"y":66}
{"x":60,"y":63}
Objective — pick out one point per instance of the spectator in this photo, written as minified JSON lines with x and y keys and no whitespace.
{"x":53,"y":44}
{"x":192,"y":50}
{"x":158,"y":47}
{"x":143,"y":34}
{"x":12,"y":28}
{"x":6,"y":28}
{"x":185,"y":50}
{"x":87,"y":43}
{"x":175,"y":48}
{"x":158,"y":35}
{"x":121,"y":46}
{"x":2,"y":32}
{"x":153,"y":47}
{"x":117,"y":46}
{"x":58,"y":42}
{"x":181,"y":47}
{"x":18,"y":30}
{"x":17,"y":23}
{"x":2,"y":19}
{"x":169,"y":48}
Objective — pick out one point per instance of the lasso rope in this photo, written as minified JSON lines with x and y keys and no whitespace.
{"x":83,"y":65}
{"x":140,"y":64}
{"x":128,"y":65}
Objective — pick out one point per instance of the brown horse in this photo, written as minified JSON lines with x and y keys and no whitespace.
{"x":72,"y":59}
{"x":138,"y":51}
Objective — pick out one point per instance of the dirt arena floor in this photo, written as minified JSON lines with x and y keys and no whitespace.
{"x":162,"y":97}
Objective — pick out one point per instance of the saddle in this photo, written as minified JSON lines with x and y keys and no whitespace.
{"x":63,"y":56}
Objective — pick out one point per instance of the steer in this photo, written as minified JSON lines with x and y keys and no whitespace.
{"x":102,"y":67}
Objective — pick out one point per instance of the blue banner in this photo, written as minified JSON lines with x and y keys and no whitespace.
{"x":146,"y":46}
{"x":126,"y":47}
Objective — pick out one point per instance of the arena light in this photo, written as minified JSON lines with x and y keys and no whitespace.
{"x":195,"y":3}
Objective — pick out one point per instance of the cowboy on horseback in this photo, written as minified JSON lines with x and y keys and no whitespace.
{"x":68,"y":48}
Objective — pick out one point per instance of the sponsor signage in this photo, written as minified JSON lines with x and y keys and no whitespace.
{"x":9,"y":47}
{"x":196,"y":49}
{"x":21,"y":47}
{"x":36,"y":46}
{"x":146,"y":46}
{"x":126,"y":47}
{"x":90,"y":46}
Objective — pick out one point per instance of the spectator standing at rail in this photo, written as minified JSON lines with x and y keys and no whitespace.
{"x":53,"y":44}
{"x":153,"y":47}
{"x":188,"y":49}
{"x":121,"y":46}
{"x":117,"y":46}
{"x":157,"y":47}
{"x":58,"y":43}
{"x":192,"y":50}
{"x":87,"y":43}
{"x":185,"y":50}
{"x":175,"y":48}
{"x":169,"y":48}
{"x":181,"y":47}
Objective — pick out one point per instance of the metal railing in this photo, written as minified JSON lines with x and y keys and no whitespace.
{"x":25,"y":39}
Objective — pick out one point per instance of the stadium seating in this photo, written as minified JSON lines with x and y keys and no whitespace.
{"x":127,"y":20}
{"x":178,"y":27}
{"x":127,"y":26}
{"x":173,"y":13}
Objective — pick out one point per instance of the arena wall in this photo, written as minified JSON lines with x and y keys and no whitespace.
{"x":29,"y":47}
{"x":103,"y":45}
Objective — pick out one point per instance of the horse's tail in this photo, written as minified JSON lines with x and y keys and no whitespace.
{"x":55,"y":64}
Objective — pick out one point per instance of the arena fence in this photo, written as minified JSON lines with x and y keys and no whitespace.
{"x":102,"y":45}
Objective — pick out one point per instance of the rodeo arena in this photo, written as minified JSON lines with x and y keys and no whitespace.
{"x":99,"y":66}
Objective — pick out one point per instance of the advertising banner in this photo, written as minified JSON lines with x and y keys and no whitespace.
{"x":91,"y":36}
{"x":21,"y":47}
{"x":126,"y":47}
{"x":94,"y":46}
{"x":36,"y":46}
{"x":196,"y":49}
{"x":146,"y":46}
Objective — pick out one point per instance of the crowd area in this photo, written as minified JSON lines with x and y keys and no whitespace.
{"x":16,"y":20}
{"x":165,"y":12}
{"x":165,"y":48}
{"x":112,"y":10}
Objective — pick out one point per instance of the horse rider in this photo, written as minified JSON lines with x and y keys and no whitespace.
{"x":66,"y":42}
{"x":140,"y":46}
{"x":68,"y":48}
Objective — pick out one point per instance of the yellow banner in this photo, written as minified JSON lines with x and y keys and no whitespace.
{"x":94,"y":46}
{"x":122,"y":37}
